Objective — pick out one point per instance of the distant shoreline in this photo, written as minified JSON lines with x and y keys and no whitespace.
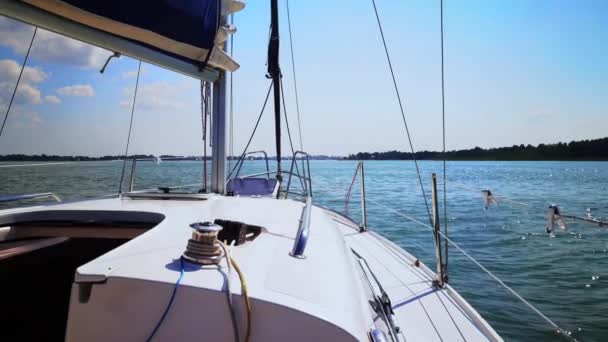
{"x":584,"y":150}
{"x":63,"y":161}
{"x":57,"y":158}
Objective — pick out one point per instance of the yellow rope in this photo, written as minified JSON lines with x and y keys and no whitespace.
{"x":244,"y":292}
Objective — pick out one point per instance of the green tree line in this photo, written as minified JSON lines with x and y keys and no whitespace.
{"x":595,"y":149}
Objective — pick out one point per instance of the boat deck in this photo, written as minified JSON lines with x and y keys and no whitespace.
{"x":324,"y":296}
{"x":423,"y":311}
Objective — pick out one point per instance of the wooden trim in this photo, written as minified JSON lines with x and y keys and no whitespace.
{"x":29,"y":246}
{"x":22,"y":232}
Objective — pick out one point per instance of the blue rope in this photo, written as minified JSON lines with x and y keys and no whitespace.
{"x":162,"y":318}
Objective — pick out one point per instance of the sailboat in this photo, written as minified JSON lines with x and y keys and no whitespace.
{"x":253,"y":259}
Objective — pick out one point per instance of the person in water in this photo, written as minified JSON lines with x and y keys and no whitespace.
{"x":554,"y":217}
{"x":488,"y":199}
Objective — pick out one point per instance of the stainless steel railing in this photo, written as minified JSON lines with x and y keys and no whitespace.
{"x":23,"y":197}
{"x":304,"y":177}
{"x":294,"y":172}
{"x":360,"y":170}
{"x":242,"y":160}
{"x":299,"y":245}
{"x":156,"y":160}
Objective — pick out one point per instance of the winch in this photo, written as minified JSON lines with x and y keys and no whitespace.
{"x":203,"y":247}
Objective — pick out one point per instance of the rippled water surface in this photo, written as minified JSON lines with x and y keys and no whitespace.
{"x":566,"y":277}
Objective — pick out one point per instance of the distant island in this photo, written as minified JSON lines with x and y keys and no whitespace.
{"x":596,"y":149}
{"x":59,"y":158}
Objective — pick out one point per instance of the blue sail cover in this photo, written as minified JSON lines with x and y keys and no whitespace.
{"x":194,"y":22}
{"x":185,"y":29}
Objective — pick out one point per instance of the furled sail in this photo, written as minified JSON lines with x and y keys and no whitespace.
{"x":182,"y":30}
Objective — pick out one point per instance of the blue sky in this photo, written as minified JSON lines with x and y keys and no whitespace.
{"x":516,"y":72}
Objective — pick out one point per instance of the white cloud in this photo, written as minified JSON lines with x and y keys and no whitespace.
{"x":159,"y":95}
{"x":49,"y":46}
{"x":52,"y":99}
{"x":129,"y":74}
{"x":9,"y":72}
{"x":26,"y":94}
{"x":76,"y":90}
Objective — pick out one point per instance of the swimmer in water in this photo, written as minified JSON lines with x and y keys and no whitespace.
{"x":554,"y":217}
{"x":488,"y":199}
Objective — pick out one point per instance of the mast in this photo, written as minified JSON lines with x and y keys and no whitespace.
{"x":218,"y":130}
{"x":274,"y":71}
{"x":218,"y":135}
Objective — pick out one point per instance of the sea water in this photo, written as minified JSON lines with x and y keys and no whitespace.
{"x":566,"y":277}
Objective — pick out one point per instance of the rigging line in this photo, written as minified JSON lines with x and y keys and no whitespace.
{"x":401,"y":258}
{"x":445,"y":186}
{"x":240,"y":160}
{"x":146,"y":190}
{"x":390,"y":65}
{"x":408,"y":288}
{"x":10,"y":103}
{"x":350,"y":188}
{"x":229,"y":293}
{"x":293,"y":70}
{"x":245,"y":295}
{"x":204,"y":105}
{"x":380,"y":297}
{"x":168,"y":307}
{"x":286,"y":121}
{"x":450,"y":315}
{"x":515,"y":294}
{"x":231,"y":124}
{"x":124,"y":164}
{"x":293,"y":152}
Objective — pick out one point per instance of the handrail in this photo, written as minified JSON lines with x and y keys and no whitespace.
{"x":43,"y":163}
{"x":299,"y":245}
{"x":132,"y":178}
{"x":305,"y":179}
{"x":21,"y":197}
{"x":155,"y":195}
{"x":442,"y":272}
{"x":239,"y":164}
{"x":267,"y":174}
{"x":363,"y":224}
{"x":363,"y":206}
{"x":157,"y":160}
{"x":274,"y":172}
